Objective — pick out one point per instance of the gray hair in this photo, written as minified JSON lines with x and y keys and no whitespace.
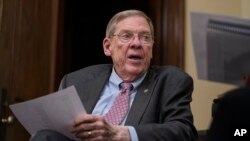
{"x":124,"y":14}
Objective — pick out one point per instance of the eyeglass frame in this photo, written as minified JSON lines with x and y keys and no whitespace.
{"x":139,"y":35}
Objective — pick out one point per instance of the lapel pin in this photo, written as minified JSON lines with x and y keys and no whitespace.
{"x":145,"y":91}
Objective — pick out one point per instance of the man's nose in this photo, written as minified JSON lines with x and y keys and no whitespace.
{"x":136,"y":40}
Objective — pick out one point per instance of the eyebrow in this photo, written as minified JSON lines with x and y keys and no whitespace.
{"x":142,"y":32}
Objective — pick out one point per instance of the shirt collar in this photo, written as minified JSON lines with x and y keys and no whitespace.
{"x":115,"y":80}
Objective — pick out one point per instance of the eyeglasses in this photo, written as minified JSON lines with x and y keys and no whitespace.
{"x":126,"y":37}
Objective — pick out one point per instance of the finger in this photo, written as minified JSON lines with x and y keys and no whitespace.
{"x":84,"y":126}
{"x":84,"y":135}
{"x":99,"y":123}
{"x":93,"y":135}
{"x":86,"y":118}
{"x":102,"y":133}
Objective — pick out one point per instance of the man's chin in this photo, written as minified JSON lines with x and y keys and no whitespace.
{"x":135,"y":70}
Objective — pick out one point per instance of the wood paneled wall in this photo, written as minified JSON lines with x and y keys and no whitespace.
{"x":27,"y":54}
{"x":169,"y":20}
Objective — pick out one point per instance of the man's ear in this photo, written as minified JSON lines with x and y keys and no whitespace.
{"x":107,"y":47}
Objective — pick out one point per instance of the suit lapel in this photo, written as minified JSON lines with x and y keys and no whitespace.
{"x":141,"y":100}
{"x":93,"y":90}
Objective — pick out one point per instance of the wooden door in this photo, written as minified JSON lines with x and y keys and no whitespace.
{"x":27,"y":56}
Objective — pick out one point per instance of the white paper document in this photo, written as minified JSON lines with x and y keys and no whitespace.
{"x":55,"y":111}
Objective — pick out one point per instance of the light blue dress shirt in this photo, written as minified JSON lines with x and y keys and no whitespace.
{"x":109,"y":93}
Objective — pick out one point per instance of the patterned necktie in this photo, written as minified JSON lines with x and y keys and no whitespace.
{"x":120,"y":107}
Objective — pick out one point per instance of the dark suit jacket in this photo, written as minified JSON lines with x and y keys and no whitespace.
{"x":232,"y":113}
{"x":161,"y":108}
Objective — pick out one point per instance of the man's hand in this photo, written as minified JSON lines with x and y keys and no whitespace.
{"x":94,"y":128}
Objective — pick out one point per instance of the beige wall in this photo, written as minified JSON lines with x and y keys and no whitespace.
{"x":245,"y":10}
{"x":205,"y":91}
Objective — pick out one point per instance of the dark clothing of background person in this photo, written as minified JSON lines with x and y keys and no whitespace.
{"x":232,"y":113}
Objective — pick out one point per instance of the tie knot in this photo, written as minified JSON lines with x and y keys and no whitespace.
{"x":126,"y":86}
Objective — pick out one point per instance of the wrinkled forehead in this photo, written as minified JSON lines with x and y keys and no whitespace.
{"x":133,"y":23}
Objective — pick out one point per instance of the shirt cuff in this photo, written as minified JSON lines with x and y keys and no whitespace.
{"x":133,"y":134}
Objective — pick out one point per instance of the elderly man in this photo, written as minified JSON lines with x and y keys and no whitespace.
{"x":130,"y":100}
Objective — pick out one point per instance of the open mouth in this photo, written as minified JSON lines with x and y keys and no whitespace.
{"x":135,"y":57}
